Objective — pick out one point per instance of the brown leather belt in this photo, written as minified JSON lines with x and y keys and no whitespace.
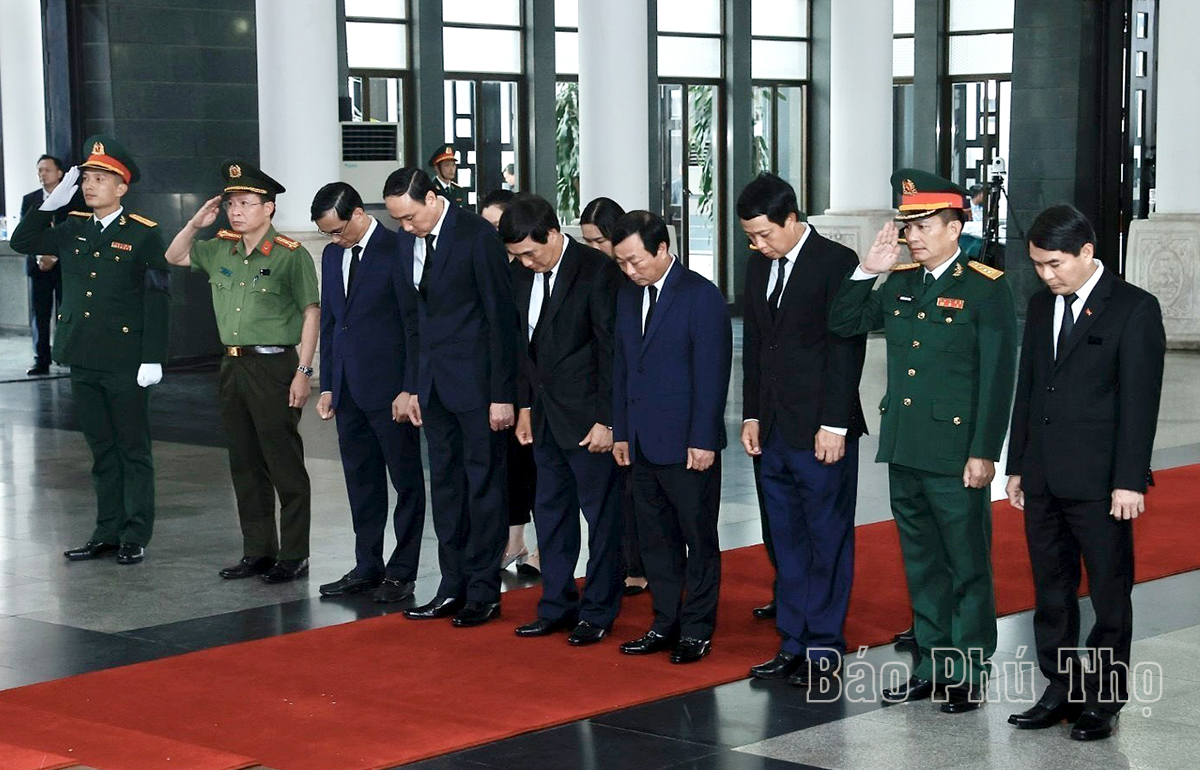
{"x":236,"y":351}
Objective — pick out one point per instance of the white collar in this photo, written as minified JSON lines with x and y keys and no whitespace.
{"x":362,"y":242}
{"x":1083,"y":292}
{"x":437,"y":229}
{"x":658,"y":285}
{"x":792,"y":255}
{"x":108,"y":220}
{"x":942,"y":268}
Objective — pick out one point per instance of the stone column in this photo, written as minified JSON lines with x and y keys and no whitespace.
{"x":1164,"y":250}
{"x":615,"y":88}
{"x":299,"y":134}
{"x":23,"y":99}
{"x":860,"y":122}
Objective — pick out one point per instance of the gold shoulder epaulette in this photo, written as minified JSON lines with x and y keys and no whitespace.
{"x":282,"y":241}
{"x":143,"y":220}
{"x":228,"y":235}
{"x":80,"y":213}
{"x":906,"y":266}
{"x":989,"y":272}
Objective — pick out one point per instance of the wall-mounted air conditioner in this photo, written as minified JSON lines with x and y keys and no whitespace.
{"x":370,"y":151}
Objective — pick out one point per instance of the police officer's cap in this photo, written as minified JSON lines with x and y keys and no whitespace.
{"x":923,"y":194}
{"x":442,"y":153}
{"x":107,"y":154}
{"x":241,"y":177}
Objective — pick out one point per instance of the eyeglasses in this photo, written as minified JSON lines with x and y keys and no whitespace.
{"x":239,"y":205}
{"x":334,"y":233}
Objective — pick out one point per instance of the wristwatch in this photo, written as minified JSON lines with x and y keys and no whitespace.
{"x":307,"y":371}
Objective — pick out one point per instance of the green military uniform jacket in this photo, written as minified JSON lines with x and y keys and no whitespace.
{"x":259,"y":298}
{"x":951,"y":360}
{"x":451,"y":192}
{"x":115,"y":305}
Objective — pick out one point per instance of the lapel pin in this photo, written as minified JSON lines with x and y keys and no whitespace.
{"x":1087,"y":311}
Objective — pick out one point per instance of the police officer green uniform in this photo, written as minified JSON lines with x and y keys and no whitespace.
{"x":951,"y":353}
{"x":447,"y":189}
{"x":113,"y":333}
{"x":261,"y":298}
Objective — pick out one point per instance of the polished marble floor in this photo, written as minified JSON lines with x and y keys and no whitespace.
{"x":59,"y":618}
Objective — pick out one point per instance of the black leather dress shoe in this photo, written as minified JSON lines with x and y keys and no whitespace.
{"x":783,"y":665}
{"x":651,"y":643}
{"x":1094,"y":725}
{"x":90,"y":550}
{"x":37,"y":371}
{"x":130,"y":553}
{"x":476,"y":614}
{"x":815,"y":672}
{"x":633,"y":590}
{"x":440,"y":607}
{"x":1046,"y":714}
{"x":348,"y":584}
{"x":905,"y":638}
{"x":689,"y":650}
{"x":915,"y":688}
{"x":586,"y":633}
{"x":249,"y":566}
{"x":960,"y":700}
{"x":765,"y":612}
{"x":393,"y":590}
{"x":544,"y":627}
{"x":286,"y":570}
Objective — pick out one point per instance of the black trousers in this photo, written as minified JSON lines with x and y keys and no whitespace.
{"x":630,"y":547}
{"x":45,"y":296}
{"x":1059,"y":532}
{"x":266,"y":454}
{"x":677,"y":526}
{"x":572,"y":479}
{"x":522,"y":480}
{"x":765,"y":520}
{"x":374,"y":447}
{"x":468,"y":466}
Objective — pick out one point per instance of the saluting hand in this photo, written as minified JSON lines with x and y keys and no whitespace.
{"x":207,"y":213}
{"x":884,"y":252}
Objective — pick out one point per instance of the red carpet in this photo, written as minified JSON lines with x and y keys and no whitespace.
{"x":380,"y":692}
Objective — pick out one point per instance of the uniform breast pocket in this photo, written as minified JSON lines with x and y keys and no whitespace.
{"x":269,"y":294}
{"x":897,"y":324}
{"x":220,"y":283}
{"x":951,"y":329}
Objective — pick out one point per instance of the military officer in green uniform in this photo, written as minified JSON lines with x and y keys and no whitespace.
{"x":951,"y":355}
{"x":112,"y":332}
{"x":445,"y":166}
{"x":264,"y":289}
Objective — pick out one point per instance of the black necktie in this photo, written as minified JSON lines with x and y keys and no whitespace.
{"x":425,"y":270}
{"x":777,"y":292}
{"x":650,"y":310}
{"x":1068,"y":325}
{"x":928,"y":279}
{"x":354,"y":252}
{"x":537,"y":325}
{"x":99,"y":226}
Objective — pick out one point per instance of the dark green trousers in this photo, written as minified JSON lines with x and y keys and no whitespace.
{"x":946,"y":538}
{"x":114,"y":412}
{"x":266,"y":454}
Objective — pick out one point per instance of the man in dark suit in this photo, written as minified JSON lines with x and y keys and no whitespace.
{"x":368,"y":332}
{"x":674,"y":349}
{"x":1083,"y":427}
{"x":45,"y":274}
{"x":463,"y":386}
{"x":565,"y":306}
{"x":803,"y":417}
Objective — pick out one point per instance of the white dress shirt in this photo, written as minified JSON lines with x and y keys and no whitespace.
{"x":1081,"y":295}
{"x":108,"y":220}
{"x":543,"y":286}
{"x":791,"y":256}
{"x":658,"y":285}
{"x":419,"y":246}
{"x":348,"y":254}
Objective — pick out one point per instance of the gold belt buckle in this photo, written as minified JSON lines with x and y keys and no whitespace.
{"x":234,"y":350}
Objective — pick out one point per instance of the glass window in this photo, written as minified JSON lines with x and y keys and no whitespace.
{"x":902,"y":57}
{"x":702,"y":16}
{"x":966,"y":15}
{"x":566,"y":53}
{"x":904,"y":14}
{"x":504,"y":12}
{"x":377,"y":9}
{"x":481,"y":50}
{"x":566,"y":13}
{"x":779,"y":18}
{"x":689,"y":57}
{"x":981,"y":54}
{"x":376,"y":46}
{"x":778,"y":60}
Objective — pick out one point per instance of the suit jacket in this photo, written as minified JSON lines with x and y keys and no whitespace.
{"x":797,"y":375}
{"x":465,"y":319}
{"x":31,"y":202}
{"x":669,"y":388}
{"x":1084,"y":425}
{"x":566,"y":369}
{"x":368,"y":336}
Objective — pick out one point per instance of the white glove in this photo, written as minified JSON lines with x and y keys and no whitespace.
{"x":62,"y":194}
{"x":149,"y":374}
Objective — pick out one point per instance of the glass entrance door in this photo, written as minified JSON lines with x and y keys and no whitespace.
{"x":690,"y":182}
{"x":482,"y":126}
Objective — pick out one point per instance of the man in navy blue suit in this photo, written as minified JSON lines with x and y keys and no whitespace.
{"x":674,"y":349}
{"x":802,"y":416}
{"x":463,"y":386}
{"x":368,"y":332}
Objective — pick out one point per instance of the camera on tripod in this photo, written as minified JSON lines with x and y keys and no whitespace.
{"x":991,"y":252}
